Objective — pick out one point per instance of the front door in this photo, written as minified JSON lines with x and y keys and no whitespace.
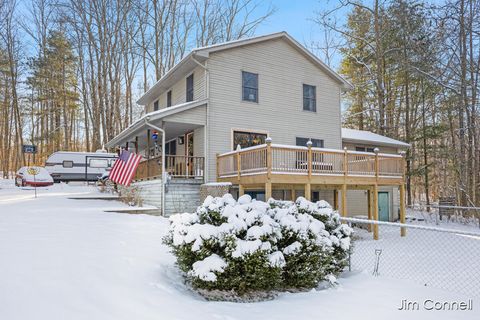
{"x":383,"y":206}
{"x":189,"y":154}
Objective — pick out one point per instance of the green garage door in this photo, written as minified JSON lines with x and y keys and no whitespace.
{"x":383,"y":206}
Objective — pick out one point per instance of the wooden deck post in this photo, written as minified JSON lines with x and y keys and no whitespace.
{"x":241,"y":190}
{"x":375,"y":211}
{"x":239,"y":163}
{"x":268,"y":190}
{"x":403,"y":230}
{"x":369,"y":208}
{"x":344,"y":200}
{"x":335,"y":199}
{"x":376,"y":150}
{"x":293,"y":194}
{"x":308,"y":191}
{"x":218,"y":166}
{"x":309,"y":159}
{"x":268,"y":141}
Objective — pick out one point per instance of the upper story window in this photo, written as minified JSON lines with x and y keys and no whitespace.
{"x":189,"y":93}
{"x":249,"y":86}
{"x":364,"y":149}
{"x":316,"y":143}
{"x":247,"y":139}
{"x":169,"y":98}
{"x":155,"y":106}
{"x":309,"y":98}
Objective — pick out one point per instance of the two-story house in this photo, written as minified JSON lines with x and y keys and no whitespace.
{"x":263,"y":114}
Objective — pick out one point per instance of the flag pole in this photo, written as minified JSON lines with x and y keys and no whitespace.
{"x":163,"y":160}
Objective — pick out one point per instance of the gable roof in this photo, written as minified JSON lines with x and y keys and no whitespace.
{"x":190,"y":61}
{"x":368,"y":137}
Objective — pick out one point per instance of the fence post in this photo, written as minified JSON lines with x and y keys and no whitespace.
{"x":344,"y":186}
{"x":403,"y":230}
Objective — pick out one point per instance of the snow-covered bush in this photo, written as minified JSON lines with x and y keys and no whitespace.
{"x":249,"y":245}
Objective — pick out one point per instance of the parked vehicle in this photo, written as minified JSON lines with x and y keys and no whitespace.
{"x":79,"y":166}
{"x":33,"y":177}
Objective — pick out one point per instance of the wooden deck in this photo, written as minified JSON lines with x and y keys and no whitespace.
{"x":272,"y":166}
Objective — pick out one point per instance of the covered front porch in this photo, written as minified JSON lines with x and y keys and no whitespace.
{"x":308,"y":171}
{"x":183,"y":127}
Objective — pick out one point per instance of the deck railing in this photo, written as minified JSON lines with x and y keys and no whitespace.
{"x":283,"y":159}
{"x":175,"y":166}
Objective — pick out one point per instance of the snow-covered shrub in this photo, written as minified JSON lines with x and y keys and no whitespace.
{"x":249,"y":245}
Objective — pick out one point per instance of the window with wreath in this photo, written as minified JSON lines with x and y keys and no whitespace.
{"x":248,"y":139}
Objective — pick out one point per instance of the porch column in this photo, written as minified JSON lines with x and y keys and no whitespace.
{"x":308,"y":191}
{"x":293,"y":194}
{"x":136,"y":144}
{"x":241,"y":190}
{"x":268,"y":190}
{"x":375,"y":211}
{"x":344,"y":200}
{"x":403,"y":230}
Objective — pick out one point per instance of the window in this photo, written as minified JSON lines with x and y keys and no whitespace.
{"x":249,"y":86}
{"x":98,"y":163}
{"x":247,"y":139}
{"x":68,"y":164}
{"x":169,"y":98}
{"x":364,"y":149}
{"x":309,"y":98}
{"x":155,"y":106}
{"x":316,"y":143}
{"x":189,"y":94}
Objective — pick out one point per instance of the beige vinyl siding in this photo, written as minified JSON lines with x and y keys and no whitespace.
{"x":194,"y":116}
{"x":199,"y":142}
{"x":179,"y":90}
{"x":282,"y":70}
{"x":383,"y":149}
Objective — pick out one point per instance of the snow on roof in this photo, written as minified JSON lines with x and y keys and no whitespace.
{"x":369,"y":137}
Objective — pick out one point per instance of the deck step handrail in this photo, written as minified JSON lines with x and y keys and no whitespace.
{"x":278,"y":158}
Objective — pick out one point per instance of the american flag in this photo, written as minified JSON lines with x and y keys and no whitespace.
{"x":124,"y":168}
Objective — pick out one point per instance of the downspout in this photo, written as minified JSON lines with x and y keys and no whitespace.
{"x":207,"y":128}
{"x":164,"y":176}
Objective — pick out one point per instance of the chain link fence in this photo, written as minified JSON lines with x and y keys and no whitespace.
{"x":441,"y":258}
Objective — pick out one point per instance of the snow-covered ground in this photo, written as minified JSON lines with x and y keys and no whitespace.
{"x":68,"y":259}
